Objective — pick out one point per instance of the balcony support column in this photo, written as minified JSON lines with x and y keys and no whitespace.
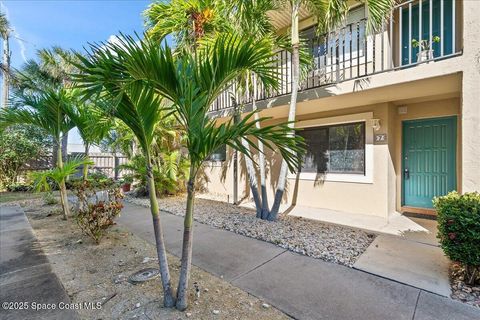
{"x":470,"y":108}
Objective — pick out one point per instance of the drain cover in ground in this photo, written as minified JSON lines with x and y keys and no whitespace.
{"x":143,"y":275}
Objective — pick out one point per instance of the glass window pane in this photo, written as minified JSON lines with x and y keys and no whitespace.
{"x":315,"y":159}
{"x":335,"y":149}
{"x":347,"y":148}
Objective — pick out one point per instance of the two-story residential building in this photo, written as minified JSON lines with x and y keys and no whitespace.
{"x":391,"y":119}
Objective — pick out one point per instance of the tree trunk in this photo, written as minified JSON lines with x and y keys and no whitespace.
{"x":64,"y":146}
{"x":252,"y":179}
{"x":55,"y":149}
{"x":471,"y":274}
{"x":282,"y":179}
{"x":261,"y":203}
{"x":63,"y":188}
{"x":85,"y":166}
{"x":168,"y":299}
{"x":6,"y":71}
{"x":182,"y":290}
{"x":261,"y":158}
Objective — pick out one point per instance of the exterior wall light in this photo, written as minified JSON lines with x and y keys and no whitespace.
{"x":376,"y":124}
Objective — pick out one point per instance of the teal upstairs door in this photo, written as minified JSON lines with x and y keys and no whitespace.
{"x":428,"y":160}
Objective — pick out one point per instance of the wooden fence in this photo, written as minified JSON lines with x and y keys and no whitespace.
{"x":106,"y":163}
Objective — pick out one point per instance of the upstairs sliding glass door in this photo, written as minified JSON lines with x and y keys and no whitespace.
{"x":427,"y":30}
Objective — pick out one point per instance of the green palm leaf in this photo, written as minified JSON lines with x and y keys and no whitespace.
{"x":57,"y":174}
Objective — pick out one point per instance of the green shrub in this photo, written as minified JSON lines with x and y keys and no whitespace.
{"x":169,"y":172}
{"x":459,"y":230}
{"x":19,"y":145}
{"x":98,"y":182}
{"x":19,"y":187}
{"x":99,"y":202}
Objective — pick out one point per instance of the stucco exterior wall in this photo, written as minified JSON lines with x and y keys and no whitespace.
{"x":437,"y":89}
{"x":470,"y":99}
{"x":380,"y":197}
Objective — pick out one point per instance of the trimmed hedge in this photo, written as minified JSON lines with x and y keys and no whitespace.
{"x":459,"y":230}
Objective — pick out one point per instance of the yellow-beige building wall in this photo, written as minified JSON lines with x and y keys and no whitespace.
{"x":449,"y":87}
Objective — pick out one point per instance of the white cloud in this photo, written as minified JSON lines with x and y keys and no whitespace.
{"x":16,"y":35}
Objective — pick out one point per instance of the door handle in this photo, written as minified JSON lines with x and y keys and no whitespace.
{"x":407,"y":173}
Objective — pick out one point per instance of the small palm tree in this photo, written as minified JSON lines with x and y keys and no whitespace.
{"x":41,"y":179}
{"x":140,"y":109}
{"x":45,"y":110}
{"x":191,"y":83}
{"x":91,"y":122}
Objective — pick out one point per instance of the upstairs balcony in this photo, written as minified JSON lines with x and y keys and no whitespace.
{"x":417,"y":32}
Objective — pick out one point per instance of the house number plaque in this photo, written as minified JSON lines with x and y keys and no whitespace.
{"x":381,"y":138}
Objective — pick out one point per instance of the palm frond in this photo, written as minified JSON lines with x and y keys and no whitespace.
{"x":4,"y":26}
{"x":378,"y":11}
{"x":41,"y":179}
{"x":45,"y":110}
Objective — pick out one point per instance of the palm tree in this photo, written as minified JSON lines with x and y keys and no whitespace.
{"x":140,"y":109}
{"x":58,"y":64}
{"x":5,"y":34}
{"x":187,"y":20}
{"x":45,"y":110}
{"x":41,"y":179}
{"x":190,"y":83}
{"x":91,"y":122}
{"x":193,"y":21}
{"x":52,"y":70}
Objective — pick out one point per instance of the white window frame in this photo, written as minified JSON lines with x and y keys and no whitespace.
{"x":367,"y":177}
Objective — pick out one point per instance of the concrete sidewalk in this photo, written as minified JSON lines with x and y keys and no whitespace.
{"x":25,"y":273}
{"x":300,"y":286}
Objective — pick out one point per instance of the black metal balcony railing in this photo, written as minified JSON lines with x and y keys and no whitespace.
{"x":350,"y":53}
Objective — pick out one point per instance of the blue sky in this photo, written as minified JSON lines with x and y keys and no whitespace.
{"x":69,"y":24}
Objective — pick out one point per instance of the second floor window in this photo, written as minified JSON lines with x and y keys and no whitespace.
{"x":335,"y":149}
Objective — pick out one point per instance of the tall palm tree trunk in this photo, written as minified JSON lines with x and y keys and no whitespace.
{"x":282,"y":179}
{"x":252,"y":179}
{"x":252,"y":176}
{"x":182,"y":296}
{"x":64,"y":144}
{"x":63,"y":187}
{"x":5,"y":71}
{"x":85,"y":166}
{"x":261,"y":202}
{"x":264,"y":211}
{"x":168,"y":299}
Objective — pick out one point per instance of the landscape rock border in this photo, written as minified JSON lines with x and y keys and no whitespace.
{"x":329,"y":242}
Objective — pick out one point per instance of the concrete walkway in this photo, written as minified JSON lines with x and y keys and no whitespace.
{"x":300,"y":286}
{"x":418,"y":264}
{"x":25,"y":273}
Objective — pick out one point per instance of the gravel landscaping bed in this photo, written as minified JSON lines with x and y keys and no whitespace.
{"x":462,"y":291}
{"x":325,"y":241}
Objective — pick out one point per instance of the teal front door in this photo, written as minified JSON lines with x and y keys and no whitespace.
{"x":428,"y":160}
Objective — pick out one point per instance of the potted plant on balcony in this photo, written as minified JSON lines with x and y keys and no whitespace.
{"x":127,"y":181}
{"x":425,"y":53}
